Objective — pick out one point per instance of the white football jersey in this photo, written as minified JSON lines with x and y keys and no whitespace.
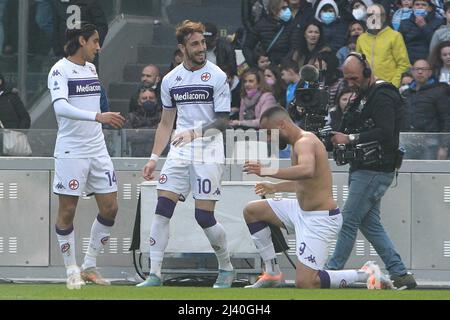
{"x":197,"y":95}
{"x":79,"y":85}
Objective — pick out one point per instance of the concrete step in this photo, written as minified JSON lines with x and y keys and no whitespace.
{"x":132,"y":72}
{"x":164,"y":35}
{"x":155,"y":54}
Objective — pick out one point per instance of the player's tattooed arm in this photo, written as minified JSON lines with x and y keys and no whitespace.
{"x":212,"y":129}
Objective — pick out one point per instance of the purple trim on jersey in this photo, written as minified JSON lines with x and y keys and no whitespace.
{"x":324,"y":279}
{"x":254,"y":227}
{"x":104,"y":221}
{"x":204,"y":218}
{"x":334,"y":212}
{"x":192,"y":94}
{"x":165,"y":207}
{"x":84,"y":88}
{"x":64,"y":232}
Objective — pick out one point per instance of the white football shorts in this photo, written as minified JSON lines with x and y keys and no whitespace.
{"x":180,"y":176}
{"x":314,"y":230}
{"x":89,"y":175}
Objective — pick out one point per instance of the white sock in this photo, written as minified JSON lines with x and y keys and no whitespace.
{"x":342,"y":278}
{"x":217,"y":238}
{"x":159,"y":238}
{"x":99,"y":238}
{"x":264,"y":245}
{"x":67,"y":249}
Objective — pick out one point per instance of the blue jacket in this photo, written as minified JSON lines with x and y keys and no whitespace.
{"x":418,"y":39}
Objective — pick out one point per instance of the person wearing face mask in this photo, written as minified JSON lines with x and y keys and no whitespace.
{"x":384,"y":47}
{"x":359,"y":9}
{"x":146,"y":116}
{"x":334,"y":28}
{"x":403,"y":13}
{"x":419,"y":28}
{"x":256,"y":98}
{"x":271,"y":35}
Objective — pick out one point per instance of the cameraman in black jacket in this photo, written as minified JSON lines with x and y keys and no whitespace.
{"x":375,"y":116}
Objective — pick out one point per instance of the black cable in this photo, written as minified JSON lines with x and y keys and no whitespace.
{"x":135,"y":265}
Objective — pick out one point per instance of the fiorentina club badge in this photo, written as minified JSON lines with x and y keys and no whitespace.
{"x":206,"y":76}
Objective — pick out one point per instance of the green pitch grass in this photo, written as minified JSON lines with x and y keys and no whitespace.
{"x":90,"y":292}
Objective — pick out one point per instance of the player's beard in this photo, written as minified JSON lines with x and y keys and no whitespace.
{"x":194,"y":58}
{"x":282,"y":142}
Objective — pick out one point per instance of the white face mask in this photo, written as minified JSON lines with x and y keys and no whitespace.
{"x":360,"y":14}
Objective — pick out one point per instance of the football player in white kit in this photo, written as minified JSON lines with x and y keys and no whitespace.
{"x":198,"y":93}
{"x":313,"y":217}
{"x":82,"y":162}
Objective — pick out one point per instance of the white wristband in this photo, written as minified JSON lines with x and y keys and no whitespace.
{"x":154,"y":157}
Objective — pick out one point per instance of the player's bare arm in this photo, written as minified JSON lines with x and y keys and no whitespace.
{"x":305,"y":169}
{"x":267,"y":187}
{"x":162,"y":137}
{"x":187,"y":136}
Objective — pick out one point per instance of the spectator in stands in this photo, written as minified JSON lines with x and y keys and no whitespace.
{"x":443,"y":33}
{"x":340,"y":104}
{"x":252,"y":11}
{"x":263,"y":61}
{"x":384,"y":48}
{"x":177,"y":58}
{"x":401,"y":14}
{"x":355,"y":29}
{"x":419,"y":28}
{"x":235,"y":90}
{"x":302,"y":12}
{"x":91,"y":12}
{"x":344,"y":51}
{"x":13,"y":114}
{"x":405,"y":81}
{"x":272,"y":75}
{"x":256,"y":98}
{"x":440,"y":62}
{"x":311,"y":42}
{"x":327,"y":64}
{"x":44,"y":19}
{"x":219,"y":51}
{"x":427,"y":110}
{"x":146,"y":116}
{"x":272,"y":34}
{"x":290,"y":73}
{"x":334,"y":28}
{"x":359,"y":9}
{"x":150,"y":77}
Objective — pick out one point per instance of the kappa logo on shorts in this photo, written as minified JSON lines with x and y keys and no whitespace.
{"x":65,"y":247}
{"x":152,"y":242}
{"x":206,"y":76}
{"x":163,"y":179}
{"x":60,"y":186}
{"x":343,"y":284}
{"x":104,"y":240}
{"x":74,"y":184}
{"x":311,"y":259}
{"x":217,"y":192}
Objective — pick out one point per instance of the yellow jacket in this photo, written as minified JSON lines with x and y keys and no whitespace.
{"x":386,"y":54}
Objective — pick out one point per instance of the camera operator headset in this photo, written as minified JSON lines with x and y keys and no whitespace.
{"x":368,"y":136}
{"x":370,"y":125}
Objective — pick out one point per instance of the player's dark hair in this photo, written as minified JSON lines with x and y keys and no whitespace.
{"x":274,"y":111}
{"x":186,"y":28}
{"x":86,"y":31}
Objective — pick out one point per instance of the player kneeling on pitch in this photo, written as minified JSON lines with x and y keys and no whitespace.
{"x":314,"y":216}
